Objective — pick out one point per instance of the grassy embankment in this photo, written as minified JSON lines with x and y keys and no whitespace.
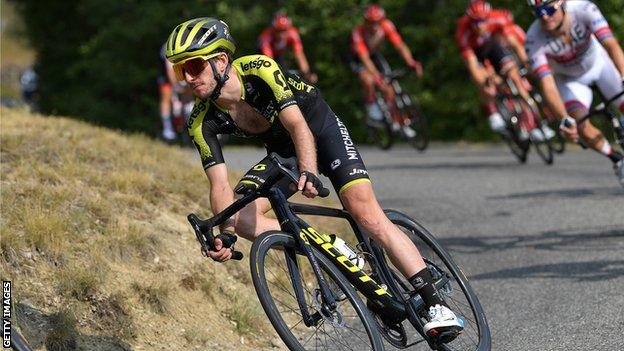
{"x":95,"y":240}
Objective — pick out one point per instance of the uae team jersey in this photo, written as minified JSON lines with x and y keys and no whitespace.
{"x":550,"y":55}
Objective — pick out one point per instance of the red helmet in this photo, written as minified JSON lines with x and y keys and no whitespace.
{"x":374,"y":13}
{"x":478,"y":9}
{"x":281,"y":21}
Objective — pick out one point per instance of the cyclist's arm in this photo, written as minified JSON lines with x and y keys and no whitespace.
{"x":369,"y":65}
{"x":302,"y":63}
{"x":517,"y":47}
{"x":264,"y":42}
{"x":552,"y":96}
{"x":292,"y":119}
{"x":614,"y":50}
{"x":477,"y":73}
{"x":408,"y":58}
{"x":221,"y":193}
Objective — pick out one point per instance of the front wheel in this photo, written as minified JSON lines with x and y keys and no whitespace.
{"x":543,"y":147}
{"x":457,"y":291}
{"x":348,"y":327}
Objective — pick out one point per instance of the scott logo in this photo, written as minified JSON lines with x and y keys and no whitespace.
{"x":257,"y":63}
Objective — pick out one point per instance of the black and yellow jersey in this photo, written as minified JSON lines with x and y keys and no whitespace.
{"x":268,"y":90}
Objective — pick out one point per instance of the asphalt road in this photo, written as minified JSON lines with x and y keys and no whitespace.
{"x":542,"y":245}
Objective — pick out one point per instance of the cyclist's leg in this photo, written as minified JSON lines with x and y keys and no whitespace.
{"x":340,"y":160}
{"x":487,"y":92}
{"x":252,"y":220}
{"x":577,"y":97}
{"x":164,"y":89}
{"x":610,"y":83}
{"x":368,"y":89}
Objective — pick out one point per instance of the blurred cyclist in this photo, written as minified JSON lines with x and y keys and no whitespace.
{"x":366,"y":42}
{"x":485,"y":37}
{"x":563,"y":45}
{"x":166,"y":81}
{"x":281,"y":35}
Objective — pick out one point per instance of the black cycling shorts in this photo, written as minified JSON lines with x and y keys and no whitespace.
{"x":497,"y":54}
{"x":337,"y":158}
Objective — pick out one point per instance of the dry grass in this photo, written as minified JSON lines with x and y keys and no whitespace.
{"x":93,"y":231}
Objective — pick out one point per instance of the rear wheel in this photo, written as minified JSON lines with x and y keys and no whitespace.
{"x":511,"y":110}
{"x":380,"y":133}
{"x":348,"y":327}
{"x":456,"y":291}
{"x":418,"y":122}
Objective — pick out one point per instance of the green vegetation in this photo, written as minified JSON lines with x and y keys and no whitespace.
{"x":94,"y":237}
{"x":102,"y":64}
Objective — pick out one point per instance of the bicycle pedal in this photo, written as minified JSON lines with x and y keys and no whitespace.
{"x":445,"y":336}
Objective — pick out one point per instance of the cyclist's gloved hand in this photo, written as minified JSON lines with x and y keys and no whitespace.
{"x":311,"y":77}
{"x":569,"y":128}
{"x":219,"y":252}
{"x":309,"y":184}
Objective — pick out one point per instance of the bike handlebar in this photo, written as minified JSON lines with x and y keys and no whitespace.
{"x":203,"y":228}
{"x":203,"y":232}
{"x":288,"y":167}
{"x":599,"y":109}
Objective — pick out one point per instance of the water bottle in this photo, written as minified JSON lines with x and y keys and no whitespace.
{"x":342,"y":246}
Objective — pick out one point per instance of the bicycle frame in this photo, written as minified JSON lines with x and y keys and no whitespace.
{"x":387,"y":301}
{"x":603,"y":109}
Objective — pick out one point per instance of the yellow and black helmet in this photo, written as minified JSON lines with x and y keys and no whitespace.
{"x":199,"y":37}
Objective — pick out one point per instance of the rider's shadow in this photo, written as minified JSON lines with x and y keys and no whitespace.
{"x":51,"y":331}
{"x":580,"y":271}
{"x":577,"y":240}
{"x":571,"y":193}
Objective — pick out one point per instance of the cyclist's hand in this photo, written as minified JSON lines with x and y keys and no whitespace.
{"x":311,"y":77}
{"x":309,"y":184}
{"x":220,"y":253}
{"x":417,"y":67}
{"x":569,"y":127}
{"x":488,"y":89}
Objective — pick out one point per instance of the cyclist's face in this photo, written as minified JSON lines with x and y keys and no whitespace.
{"x":479,"y":25}
{"x":199,"y":76}
{"x":550,"y":16}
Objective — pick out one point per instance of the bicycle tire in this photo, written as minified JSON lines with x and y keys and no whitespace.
{"x":273,"y":245}
{"x":418,"y":122}
{"x":439,"y":261}
{"x":380,"y":133}
{"x":518,"y":148}
{"x":544,"y":148}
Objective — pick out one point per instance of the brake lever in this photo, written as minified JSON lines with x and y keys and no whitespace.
{"x":207,"y":240}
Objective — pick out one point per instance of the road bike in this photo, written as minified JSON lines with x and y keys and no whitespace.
{"x":610,"y":116}
{"x":547,"y":117}
{"x":404,"y":110}
{"x":519,"y":118}
{"x":314,"y":294}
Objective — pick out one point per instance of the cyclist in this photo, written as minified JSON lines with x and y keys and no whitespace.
{"x":166,"y":81}
{"x":485,"y":37}
{"x":274,"y":41}
{"x":563,"y":45}
{"x":251,"y":96}
{"x":366,"y":42}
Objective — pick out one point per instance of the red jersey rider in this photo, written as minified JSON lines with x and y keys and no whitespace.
{"x":485,"y":37}
{"x":275,"y":40}
{"x":366,"y":42}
